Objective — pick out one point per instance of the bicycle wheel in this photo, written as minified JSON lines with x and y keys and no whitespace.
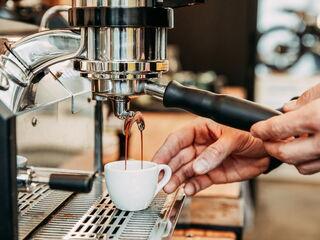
{"x":279,"y":48}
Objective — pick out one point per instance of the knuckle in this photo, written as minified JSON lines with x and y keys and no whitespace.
{"x":172,"y":140}
{"x":175,"y":180}
{"x":305,"y":97}
{"x":207,"y":156}
{"x":196,"y":185}
{"x":274,"y":128}
{"x":245,"y":141}
{"x":201,"y":120}
{"x":214,"y":151}
{"x":171,"y":136}
{"x":313,"y":121}
{"x":188,"y":172}
{"x":283,"y":156}
{"x":303,"y":170}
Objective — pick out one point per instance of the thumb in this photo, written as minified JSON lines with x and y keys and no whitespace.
{"x":306,"y":97}
{"x":213,"y":155}
{"x":291,"y":106}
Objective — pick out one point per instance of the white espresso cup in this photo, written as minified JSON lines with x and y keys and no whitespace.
{"x":135,"y":188}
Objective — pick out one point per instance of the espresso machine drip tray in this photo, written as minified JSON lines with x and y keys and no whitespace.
{"x":53,"y":214}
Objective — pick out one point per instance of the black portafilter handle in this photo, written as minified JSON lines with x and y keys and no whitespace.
{"x":81,"y":183}
{"x":227,"y":110}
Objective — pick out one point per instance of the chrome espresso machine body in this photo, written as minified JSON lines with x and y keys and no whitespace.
{"x":115,"y":50}
{"x":52,"y":88}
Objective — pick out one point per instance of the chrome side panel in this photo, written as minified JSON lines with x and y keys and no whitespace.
{"x":53,"y":135}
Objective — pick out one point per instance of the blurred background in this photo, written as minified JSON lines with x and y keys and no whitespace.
{"x":262,"y":50}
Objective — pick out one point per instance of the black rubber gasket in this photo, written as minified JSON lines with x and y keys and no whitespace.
{"x":121,"y":17}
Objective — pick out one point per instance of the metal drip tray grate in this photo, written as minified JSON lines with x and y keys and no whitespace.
{"x":37,"y":206}
{"x":27,"y":200}
{"x":103,"y":221}
{"x":50,"y":214}
{"x":66,"y":218}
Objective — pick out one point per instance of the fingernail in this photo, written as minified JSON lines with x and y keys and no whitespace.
{"x":189,"y":190}
{"x":253,"y":133}
{"x":290,"y":105}
{"x":201,"y":166}
{"x":170,"y":187}
{"x":253,"y":130}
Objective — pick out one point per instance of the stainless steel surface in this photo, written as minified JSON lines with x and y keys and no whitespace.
{"x":109,"y":3}
{"x":37,"y":53}
{"x":38,"y":206}
{"x":28,"y":177}
{"x":119,"y":88}
{"x":64,"y":220}
{"x":27,"y":199}
{"x":51,"y":214}
{"x":132,"y":44}
{"x":134,"y":67}
{"x":121,"y":107}
{"x":4,"y":79}
{"x":55,"y":123}
{"x":117,"y":56}
{"x":24,"y":180}
{"x":120,"y":59}
{"x":117,"y":60}
{"x":119,"y":71}
{"x":103,"y":221}
{"x":37,"y":68}
{"x":98,"y":138}
{"x":49,"y":13}
{"x":155,"y":89}
{"x":23,"y":82}
{"x":59,"y":84}
{"x":60,"y":135}
{"x":41,"y":48}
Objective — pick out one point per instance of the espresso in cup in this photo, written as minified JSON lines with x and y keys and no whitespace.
{"x":133,"y":188}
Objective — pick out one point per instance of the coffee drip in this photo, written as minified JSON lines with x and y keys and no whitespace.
{"x":139,"y":120}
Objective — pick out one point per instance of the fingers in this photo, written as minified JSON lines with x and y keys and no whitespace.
{"x":308,"y":96}
{"x":295,"y":151}
{"x":291,"y":106}
{"x":235,"y":170}
{"x":179,"y":177}
{"x":183,"y":157}
{"x":309,"y":168}
{"x":186,"y":136}
{"x":232,"y":170}
{"x":214,"y":154}
{"x":304,"y":120}
{"x":196,"y":184}
{"x":173,"y":144}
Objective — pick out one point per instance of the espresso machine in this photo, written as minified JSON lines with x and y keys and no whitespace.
{"x":53,"y":86}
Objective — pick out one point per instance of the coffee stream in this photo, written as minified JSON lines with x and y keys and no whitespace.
{"x":136,"y":118}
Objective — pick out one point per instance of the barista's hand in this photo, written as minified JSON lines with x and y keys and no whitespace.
{"x":206,"y":153}
{"x":302,"y":118}
{"x":308,"y":96}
